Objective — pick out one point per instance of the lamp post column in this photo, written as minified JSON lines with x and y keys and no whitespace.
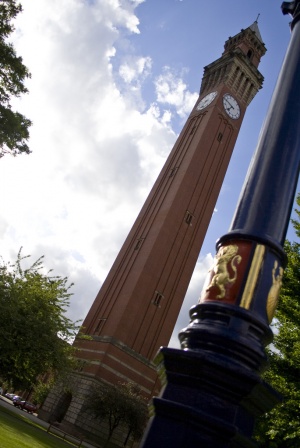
{"x":213,"y":389}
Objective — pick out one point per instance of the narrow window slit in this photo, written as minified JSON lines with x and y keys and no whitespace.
{"x":173,"y":171}
{"x":188,"y":218}
{"x":100,"y":325}
{"x":157,"y":298}
{"x":139,"y":243}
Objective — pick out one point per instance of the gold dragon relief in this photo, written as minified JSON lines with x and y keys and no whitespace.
{"x":226,"y":257}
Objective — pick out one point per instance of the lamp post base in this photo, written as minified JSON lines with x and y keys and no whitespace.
{"x":213,"y":390}
{"x":206,"y":402}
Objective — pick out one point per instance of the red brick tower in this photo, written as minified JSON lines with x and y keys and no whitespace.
{"x":137,"y":307}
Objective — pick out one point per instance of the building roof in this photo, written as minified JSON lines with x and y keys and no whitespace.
{"x":254,"y":27}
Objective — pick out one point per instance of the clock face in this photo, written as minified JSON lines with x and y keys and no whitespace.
{"x":206,"y":100}
{"x":231,"y":106}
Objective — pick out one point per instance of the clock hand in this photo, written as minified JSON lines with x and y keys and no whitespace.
{"x":231,"y":106}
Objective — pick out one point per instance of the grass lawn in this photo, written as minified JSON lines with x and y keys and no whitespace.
{"x":17,"y":431}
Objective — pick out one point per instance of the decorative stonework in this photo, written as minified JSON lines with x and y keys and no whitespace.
{"x":237,"y":67}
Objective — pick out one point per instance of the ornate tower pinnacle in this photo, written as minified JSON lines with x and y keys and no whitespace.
{"x":237,"y":67}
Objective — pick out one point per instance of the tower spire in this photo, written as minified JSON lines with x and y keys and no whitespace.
{"x":254,"y":27}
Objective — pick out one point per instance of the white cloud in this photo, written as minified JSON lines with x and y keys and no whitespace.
{"x":132,"y":70}
{"x":97,"y":149}
{"x":172,"y":90}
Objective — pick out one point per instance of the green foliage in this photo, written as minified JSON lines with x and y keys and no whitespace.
{"x":120,"y":405}
{"x":280,"y":428}
{"x":41,"y":391}
{"x":13,"y":126}
{"x":34,"y":331}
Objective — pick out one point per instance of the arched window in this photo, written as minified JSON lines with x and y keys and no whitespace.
{"x":249,"y":54}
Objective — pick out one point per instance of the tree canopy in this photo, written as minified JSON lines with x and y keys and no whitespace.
{"x":35,"y":333}
{"x":280,"y":428}
{"x":14,"y":127}
{"x":119,"y":404}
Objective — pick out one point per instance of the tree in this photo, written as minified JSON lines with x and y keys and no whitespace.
{"x":280,"y":428}
{"x":41,"y":391}
{"x":136,"y":415}
{"x":120,"y":404}
{"x":35,"y":333}
{"x":14,"y":127}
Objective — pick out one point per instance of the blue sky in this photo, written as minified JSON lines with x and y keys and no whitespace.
{"x":113,"y":82}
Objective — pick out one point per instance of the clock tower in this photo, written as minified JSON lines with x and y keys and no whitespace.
{"x":138,"y":304}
